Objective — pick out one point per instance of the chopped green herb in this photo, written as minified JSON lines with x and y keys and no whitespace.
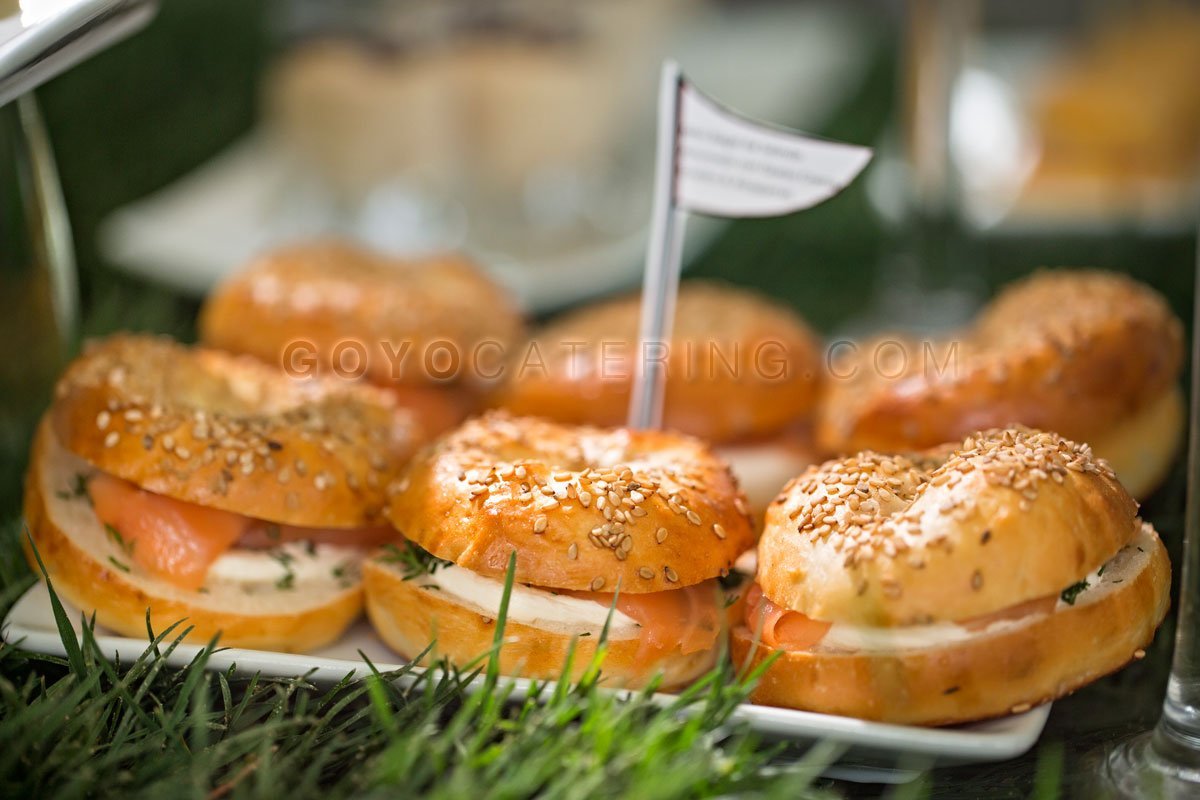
{"x":1070,"y":593}
{"x":118,"y":564}
{"x":116,"y":538}
{"x":310,"y":547}
{"x":733,"y":580}
{"x":288,"y":580}
{"x":416,"y":561}
{"x":273,"y":533}
{"x":77,"y":489}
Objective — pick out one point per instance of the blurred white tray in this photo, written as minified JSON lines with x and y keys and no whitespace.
{"x":875,"y":751}
{"x":785,"y":63}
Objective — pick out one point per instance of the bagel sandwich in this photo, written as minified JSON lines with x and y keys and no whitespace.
{"x":641,"y":525}
{"x":959,"y":586}
{"x":1092,"y":355}
{"x":190,"y":484}
{"x":743,"y":373}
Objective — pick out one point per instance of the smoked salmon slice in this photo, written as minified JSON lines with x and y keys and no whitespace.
{"x":171,"y":539}
{"x":791,"y":630}
{"x":687,"y":618}
{"x":782,"y":627}
{"x":179,"y":541}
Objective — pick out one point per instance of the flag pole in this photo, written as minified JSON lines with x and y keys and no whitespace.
{"x":664,"y":254}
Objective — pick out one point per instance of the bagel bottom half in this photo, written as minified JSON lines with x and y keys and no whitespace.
{"x":409,"y":616}
{"x":1142,"y":447}
{"x":85,"y":566}
{"x":1022,"y":664}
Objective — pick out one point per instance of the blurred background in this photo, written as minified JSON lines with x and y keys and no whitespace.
{"x":1010,"y":134}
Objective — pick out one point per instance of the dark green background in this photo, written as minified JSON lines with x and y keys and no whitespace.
{"x":146,"y":112}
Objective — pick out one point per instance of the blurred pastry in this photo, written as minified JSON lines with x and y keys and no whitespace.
{"x":1118,"y":119}
{"x":1094,"y":356}
{"x":427,"y":329}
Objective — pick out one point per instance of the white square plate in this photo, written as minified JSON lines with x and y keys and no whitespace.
{"x":873,"y":749}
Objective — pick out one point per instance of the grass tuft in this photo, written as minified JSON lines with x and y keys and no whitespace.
{"x":88,"y":726}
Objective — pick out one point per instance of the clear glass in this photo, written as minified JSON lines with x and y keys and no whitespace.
{"x":1165,"y":762}
{"x":38,"y":295}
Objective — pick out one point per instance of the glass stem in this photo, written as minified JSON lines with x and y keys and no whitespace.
{"x":1178,"y":733}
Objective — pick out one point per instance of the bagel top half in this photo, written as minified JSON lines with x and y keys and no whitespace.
{"x":1008,"y":516}
{"x":1073,"y":351}
{"x":738,"y":365}
{"x":232,"y":433}
{"x":435,"y":322}
{"x":583,"y":508}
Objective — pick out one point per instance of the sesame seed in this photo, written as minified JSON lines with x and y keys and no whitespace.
{"x":718,"y":530}
{"x":102,"y":419}
{"x":693,"y":517}
{"x":646,"y":573}
{"x":111,"y":439}
{"x":597,"y":583}
{"x":573,"y":551}
{"x":539,"y":523}
{"x":660,"y":535}
{"x":670,"y":574}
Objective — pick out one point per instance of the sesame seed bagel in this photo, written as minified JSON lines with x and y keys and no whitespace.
{"x":327,"y":293}
{"x":1006,"y":517}
{"x":583,"y":508}
{"x":93,"y":572}
{"x":1073,"y":351}
{"x":1007,"y":668}
{"x":231,"y":433}
{"x":408,"y":614}
{"x":739,"y":365}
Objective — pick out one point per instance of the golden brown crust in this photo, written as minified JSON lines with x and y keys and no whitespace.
{"x":408,"y":618}
{"x":121,"y":601}
{"x":1009,"y":516}
{"x":583,"y":508}
{"x":327,"y":292}
{"x":232,"y":433}
{"x":713,"y":391}
{"x":1073,"y":351}
{"x":985,"y":676}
